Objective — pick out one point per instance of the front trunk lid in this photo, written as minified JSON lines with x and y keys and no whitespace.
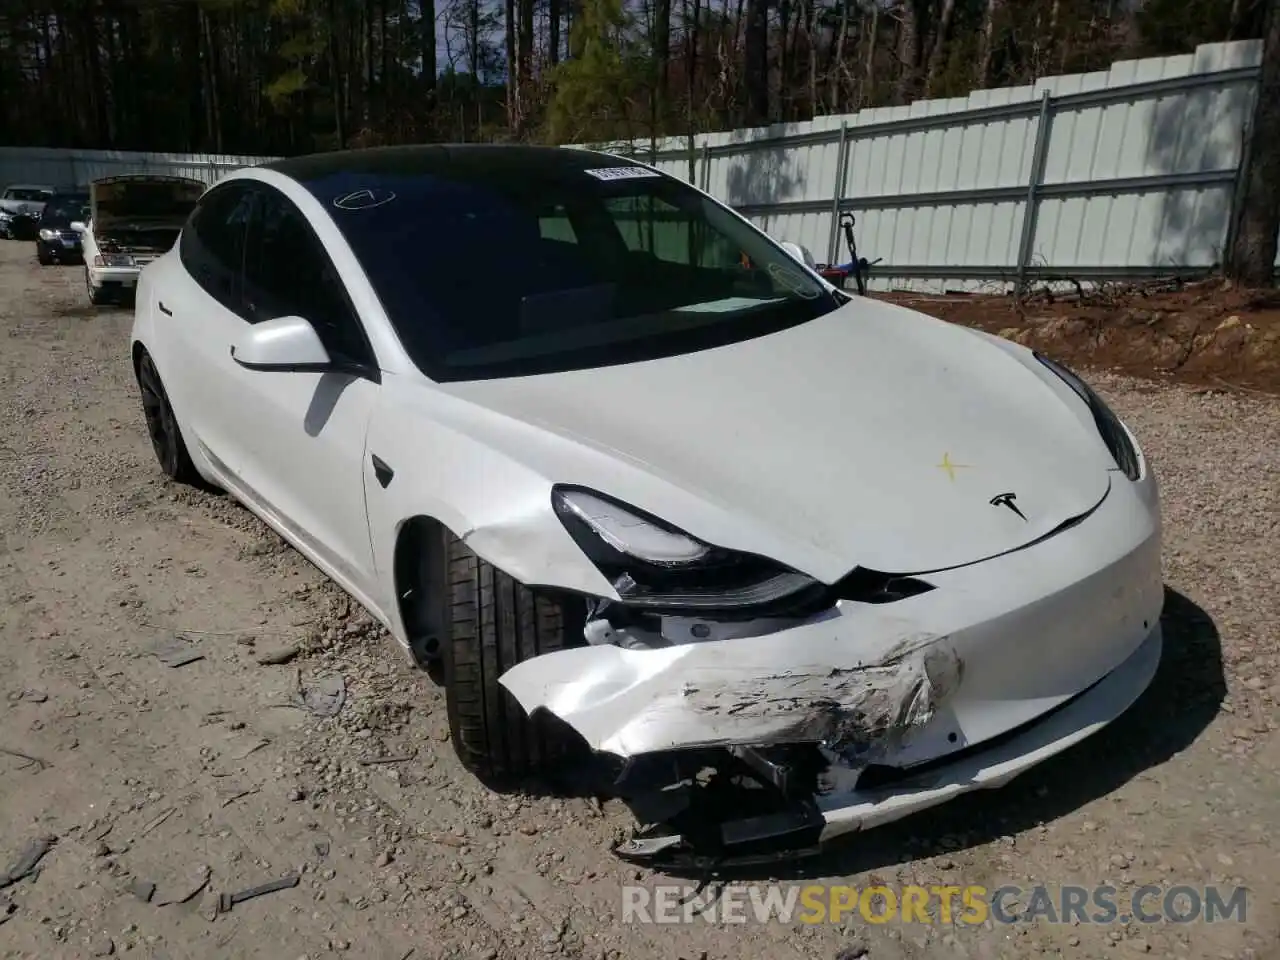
{"x":142,"y":202}
{"x":873,"y":436}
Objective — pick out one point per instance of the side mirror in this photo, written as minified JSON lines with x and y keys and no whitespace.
{"x":800,"y":253}
{"x":77,"y":226}
{"x":282,"y":345}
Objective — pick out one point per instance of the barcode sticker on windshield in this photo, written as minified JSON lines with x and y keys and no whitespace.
{"x":623,"y":173}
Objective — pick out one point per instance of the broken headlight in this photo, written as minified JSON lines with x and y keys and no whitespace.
{"x":1114,"y":435}
{"x":651,"y":564}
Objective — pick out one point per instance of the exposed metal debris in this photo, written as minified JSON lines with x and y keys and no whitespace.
{"x":228,"y":900}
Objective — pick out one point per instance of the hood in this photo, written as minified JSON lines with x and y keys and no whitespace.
{"x":873,"y":436}
{"x":142,"y":201}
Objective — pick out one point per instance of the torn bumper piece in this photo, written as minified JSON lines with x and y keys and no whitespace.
{"x":865,"y":713}
{"x":704,"y":824}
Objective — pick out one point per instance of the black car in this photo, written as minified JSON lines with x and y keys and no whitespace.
{"x":56,"y":242}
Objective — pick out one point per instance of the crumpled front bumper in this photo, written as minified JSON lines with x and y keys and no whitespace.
{"x":1066,"y":630}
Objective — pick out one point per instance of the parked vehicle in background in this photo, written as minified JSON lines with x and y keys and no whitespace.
{"x":20,"y":207}
{"x":132,"y":221}
{"x":56,"y":242}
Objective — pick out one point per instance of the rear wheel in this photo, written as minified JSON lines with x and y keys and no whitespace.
{"x":488,"y":623}
{"x":162,"y":425}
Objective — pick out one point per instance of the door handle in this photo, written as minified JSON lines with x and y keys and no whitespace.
{"x":163,"y":309}
{"x":381,"y":470}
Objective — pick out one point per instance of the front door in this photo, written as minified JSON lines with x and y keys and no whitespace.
{"x":305,"y":432}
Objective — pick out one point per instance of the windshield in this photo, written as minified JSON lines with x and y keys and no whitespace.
{"x":62,"y":210}
{"x":29,"y":194}
{"x":493,"y":268}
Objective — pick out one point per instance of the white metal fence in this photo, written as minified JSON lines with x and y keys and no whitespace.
{"x":1127,"y":173}
{"x":1124,"y":173}
{"x":69,"y":168}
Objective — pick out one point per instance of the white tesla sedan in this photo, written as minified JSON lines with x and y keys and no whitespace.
{"x":639,"y":479}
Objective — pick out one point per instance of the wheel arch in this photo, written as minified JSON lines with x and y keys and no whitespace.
{"x":502,"y":546}
{"x":413,"y":535}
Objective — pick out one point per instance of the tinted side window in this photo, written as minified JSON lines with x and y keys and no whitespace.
{"x":288,"y":273}
{"x":212,"y":244}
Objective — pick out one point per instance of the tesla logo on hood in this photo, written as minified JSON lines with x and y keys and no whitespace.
{"x":1007,"y":500}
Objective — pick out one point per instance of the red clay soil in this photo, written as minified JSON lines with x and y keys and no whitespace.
{"x":1209,"y":334}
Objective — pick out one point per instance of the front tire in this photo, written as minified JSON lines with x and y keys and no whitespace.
{"x":491,"y":623}
{"x":97,"y":296}
{"x":162,"y":426}
{"x":43,"y":258}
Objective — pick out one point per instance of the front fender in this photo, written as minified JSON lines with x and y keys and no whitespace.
{"x":498,"y":506}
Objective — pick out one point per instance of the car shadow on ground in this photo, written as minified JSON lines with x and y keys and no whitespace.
{"x":1183,"y":699}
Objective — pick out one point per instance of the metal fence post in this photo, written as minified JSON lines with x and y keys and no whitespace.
{"x":837,"y":194}
{"x":706,"y":167}
{"x":1038,"y":156}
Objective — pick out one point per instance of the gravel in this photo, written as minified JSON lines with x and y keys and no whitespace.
{"x":103,"y":560}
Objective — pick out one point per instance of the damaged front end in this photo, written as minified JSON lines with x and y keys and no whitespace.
{"x":746,"y":712}
{"x":729,"y":764}
{"x":755,"y":739}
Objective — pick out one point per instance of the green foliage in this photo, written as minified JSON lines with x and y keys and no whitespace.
{"x":285,"y":9}
{"x":301,"y":47}
{"x":601,"y":93}
{"x":283,"y":87}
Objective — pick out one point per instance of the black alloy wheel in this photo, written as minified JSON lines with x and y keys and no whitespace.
{"x":162,"y":425}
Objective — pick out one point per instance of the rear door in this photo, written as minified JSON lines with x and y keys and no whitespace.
{"x":197,"y":308}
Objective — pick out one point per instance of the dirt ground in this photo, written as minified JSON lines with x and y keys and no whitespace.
{"x":1207,"y":333}
{"x":210,"y":773}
